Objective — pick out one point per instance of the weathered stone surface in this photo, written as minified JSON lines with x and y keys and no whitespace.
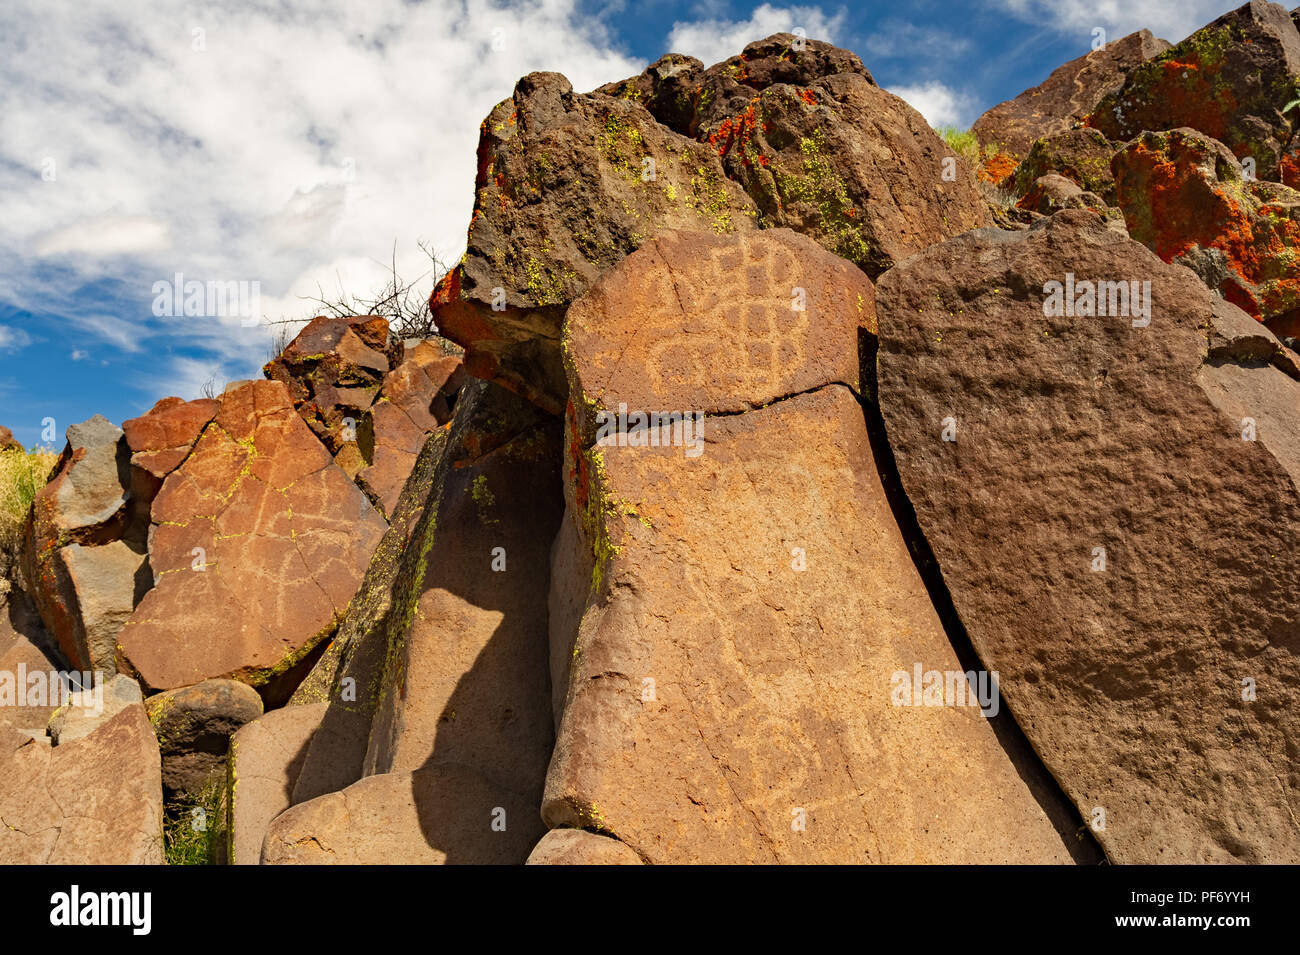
{"x":560,"y":197}
{"x":444,"y":814}
{"x":1079,"y":433}
{"x":26,"y":648}
{"x":1067,"y":96}
{"x":417,"y":397}
{"x":333,"y":370}
{"x":1229,"y":80}
{"x":7,"y":442}
{"x":703,"y":648}
{"x":162,"y":439}
{"x":1183,"y":192}
{"x":282,"y":537}
{"x":84,"y":578}
{"x":266,"y":756}
{"x":579,"y":847}
{"x":1081,"y":155}
{"x":89,"y":709}
{"x":1052,"y":193}
{"x":108,"y":807}
{"x":194,"y":725}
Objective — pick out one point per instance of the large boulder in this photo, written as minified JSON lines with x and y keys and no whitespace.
{"x":161,"y":439}
{"x":580,"y":847}
{"x":712,"y":631}
{"x":1081,"y":155}
{"x":83,"y":564}
{"x":194,"y":726}
{"x":1114,"y":548}
{"x":96,"y":800}
{"x":1230,"y":80}
{"x":257,"y":545}
{"x":1183,"y":194}
{"x":1066,"y":97}
{"x":266,"y":757}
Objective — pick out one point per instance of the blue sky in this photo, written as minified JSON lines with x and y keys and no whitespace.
{"x":295,"y":144}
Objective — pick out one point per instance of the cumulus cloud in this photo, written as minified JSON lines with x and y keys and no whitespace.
{"x":713,"y":40}
{"x":1173,"y":20}
{"x":287,"y":142}
{"x":940,"y":105}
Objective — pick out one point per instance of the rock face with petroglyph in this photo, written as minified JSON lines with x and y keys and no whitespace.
{"x":258,"y":543}
{"x":727,"y":696}
{"x":1115,"y":549}
{"x":791,"y":133}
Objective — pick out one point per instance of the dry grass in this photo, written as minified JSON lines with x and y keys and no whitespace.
{"x":21,"y":476}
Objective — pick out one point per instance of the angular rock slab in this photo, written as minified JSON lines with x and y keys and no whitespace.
{"x":258,"y":543}
{"x":722,"y":704}
{"x":1075,"y":434}
{"x":92,"y":801}
{"x":266,"y":756}
{"x":1066,"y":97}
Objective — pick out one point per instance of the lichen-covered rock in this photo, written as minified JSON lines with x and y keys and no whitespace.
{"x":1114,"y":548}
{"x":726,"y":697}
{"x":1066,"y":97}
{"x":258,"y":543}
{"x":1052,"y":193}
{"x":91,"y":801}
{"x":1182,"y":192}
{"x":1229,"y":80}
{"x":1081,"y":155}
{"x":194,"y":725}
{"x":266,"y":757}
{"x":567,"y":185}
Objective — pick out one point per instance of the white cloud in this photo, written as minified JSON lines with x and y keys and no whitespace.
{"x":714,"y":40}
{"x":294,"y":148}
{"x":13,"y":339}
{"x":1173,"y":20}
{"x":939,"y":104}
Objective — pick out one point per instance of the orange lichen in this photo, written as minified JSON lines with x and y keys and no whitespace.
{"x":997,"y":168}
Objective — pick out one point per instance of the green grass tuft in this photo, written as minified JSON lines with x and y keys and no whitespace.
{"x":22,"y":475}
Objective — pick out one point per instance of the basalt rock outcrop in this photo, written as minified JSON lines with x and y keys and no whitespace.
{"x":1110,"y":495}
{"x":791,"y":133}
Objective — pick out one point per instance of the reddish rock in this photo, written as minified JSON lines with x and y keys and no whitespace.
{"x":1066,"y":97}
{"x":1114,"y":548}
{"x":417,"y":397}
{"x":1183,"y":193}
{"x":258,"y":519}
{"x":93,"y":801}
{"x":163,"y":438}
{"x":7,"y":442}
{"x":1229,"y":80}
{"x":1052,"y":193}
{"x":736,"y":657}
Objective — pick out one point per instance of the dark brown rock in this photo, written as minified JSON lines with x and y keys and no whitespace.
{"x":1066,"y":97}
{"x":1124,"y":666}
{"x":1081,"y":155}
{"x":194,"y":725}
